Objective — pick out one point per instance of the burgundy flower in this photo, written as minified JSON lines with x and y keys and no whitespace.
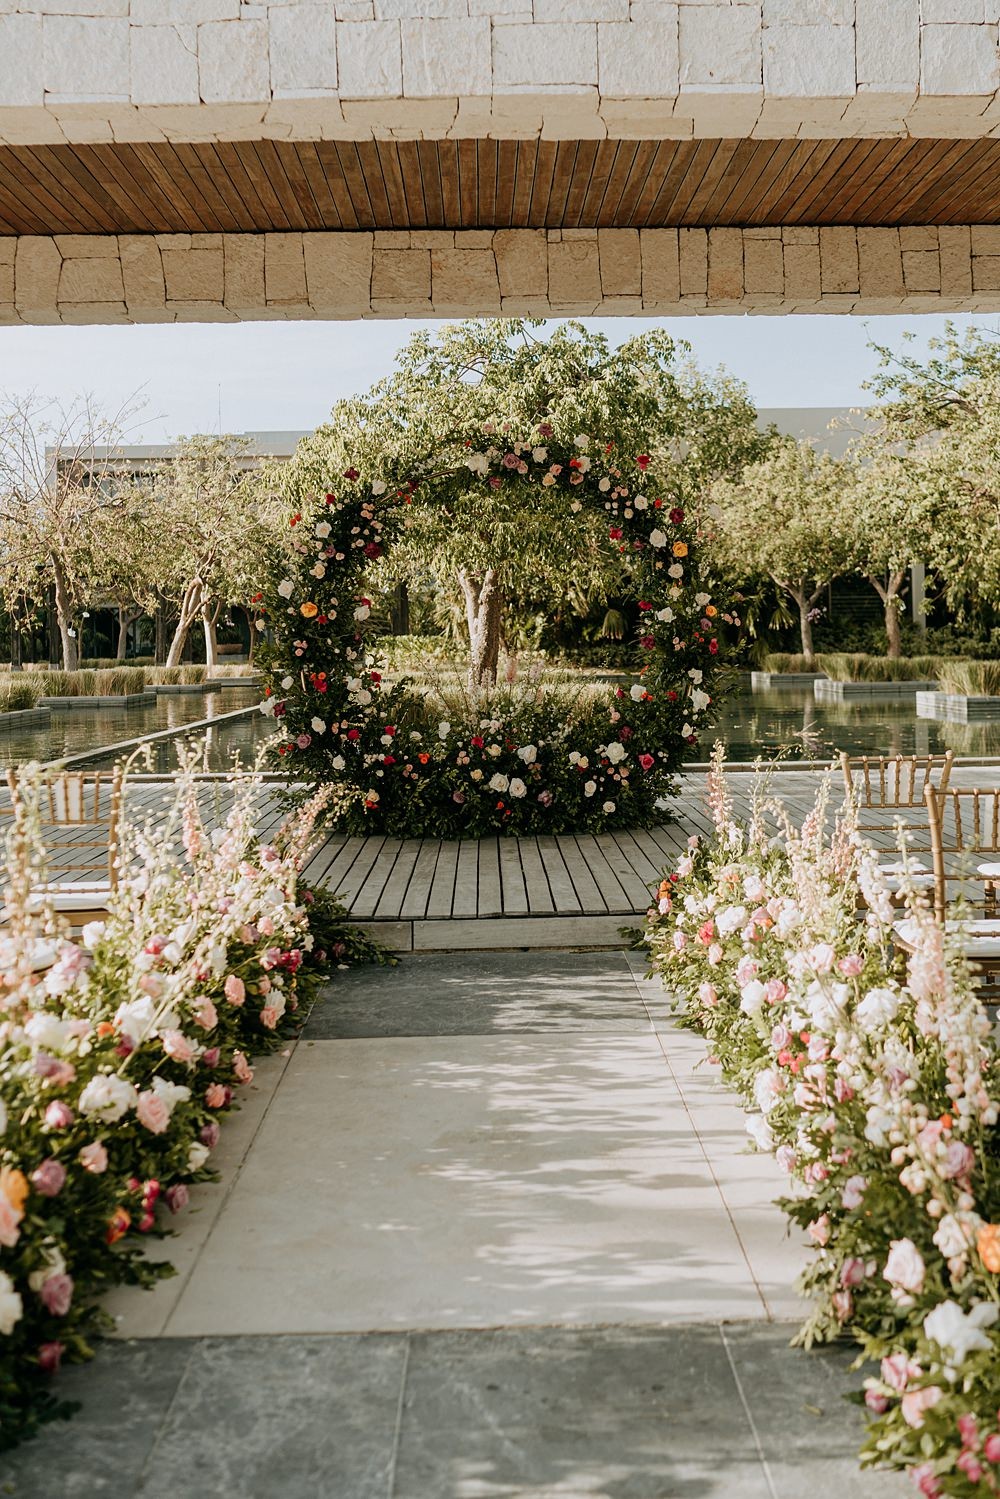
{"x":50,"y":1356}
{"x":677,"y":515}
{"x":351,"y":473}
{"x":49,"y":1178}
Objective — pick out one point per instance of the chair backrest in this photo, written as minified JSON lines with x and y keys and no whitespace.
{"x":962,"y":819}
{"x":893,"y":785}
{"x":77,"y":803}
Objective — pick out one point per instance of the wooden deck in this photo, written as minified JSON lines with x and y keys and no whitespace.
{"x":431,"y":894}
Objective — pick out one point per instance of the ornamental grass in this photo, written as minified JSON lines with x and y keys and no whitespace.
{"x":971,"y":678}
{"x":873,"y":1079}
{"x":122,"y":1059}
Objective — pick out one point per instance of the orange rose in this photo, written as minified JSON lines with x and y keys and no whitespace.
{"x":118,"y":1225}
{"x":680,"y":548}
{"x":423,"y":759}
{"x":711,"y":610}
{"x":14,"y":1186}
{"x":988,"y":1244}
{"x":105,"y":1028}
{"x":308,"y":610}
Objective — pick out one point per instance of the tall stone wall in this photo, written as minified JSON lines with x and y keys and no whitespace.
{"x":128,"y":70}
{"x":231,"y":277}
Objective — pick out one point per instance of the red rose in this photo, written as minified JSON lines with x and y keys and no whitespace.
{"x":476,"y":741}
{"x":351,"y":473}
{"x":676,"y":515}
{"x":389,"y":729}
{"x":642,"y":462}
{"x":330,"y":499}
{"x":353,"y":734}
{"x":647,"y":642}
{"x":647,"y":762}
{"x":713,"y":646}
{"x":644,"y":606}
{"x":615,"y":533}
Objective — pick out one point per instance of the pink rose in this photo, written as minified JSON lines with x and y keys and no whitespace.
{"x":916,"y":1403}
{"x":958,"y":1161}
{"x":853,"y":1193}
{"x":269,"y":1017}
{"x":708,"y":995}
{"x":821,"y":957}
{"x":242,"y":1068}
{"x":876,"y":1402}
{"x":843,"y":1304}
{"x":714,"y":955}
{"x":775,"y":990}
{"x":177,"y":1197}
{"x":57,"y":1294}
{"x":851,"y":966}
{"x":781,"y":1037}
{"x":925,"y":1479}
{"x":786,"y":1158}
{"x":235,"y":989}
{"x":94,"y":1158}
{"x":852,"y":1272}
{"x":209,"y":1134}
{"x":968,"y":1430}
{"x":152,"y":1111}
{"x":205,"y":1014}
{"x":58,"y":1115}
{"x":746,"y":969}
{"x":897,"y":1371}
{"x":216,"y":1095}
{"x":50,"y":1356}
{"x":49,"y":1178}
{"x":991,"y":1448}
{"x":177,"y":1045}
{"x":151,"y":984}
{"x":904,"y":1267}
{"x":970,"y":1465}
{"x":680,"y":942}
{"x":819,"y":1229}
{"x":210,"y":1057}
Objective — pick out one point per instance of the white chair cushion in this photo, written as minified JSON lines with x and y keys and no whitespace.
{"x":896,"y":882}
{"x":901,"y":866}
{"x":991,"y":871}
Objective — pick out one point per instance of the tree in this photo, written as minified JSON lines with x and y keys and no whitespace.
{"x":789,"y":516}
{"x":58,"y":481}
{"x":416,"y":427}
{"x":889,"y":512}
{"x":943,"y":412}
{"x":221,"y":519}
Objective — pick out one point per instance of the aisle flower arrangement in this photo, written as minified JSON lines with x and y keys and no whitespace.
{"x":525,"y":769}
{"x":873,"y":1079}
{"x":120,"y":1060}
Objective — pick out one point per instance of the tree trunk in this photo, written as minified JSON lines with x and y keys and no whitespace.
{"x":888,"y":592}
{"x":160,"y":635}
{"x":64,"y":617}
{"x":125,"y":622}
{"x":191,"y":605}
{"x":52,"y":628}
{"x":483,"y":612}
{"x":209,"y":619}
{"x":16,"y":661}
{"x":400,"y":609}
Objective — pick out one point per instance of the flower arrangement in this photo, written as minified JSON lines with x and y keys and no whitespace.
{"x":521,"y":770}
{"x":120,"y":1060}
{"x":873,"y":1079}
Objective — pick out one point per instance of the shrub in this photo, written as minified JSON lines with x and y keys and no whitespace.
{"x":17,"y":692}
{"x":120,"y":681}
{"x":842,"y":666}
{"x":172,"y":676}
{"x":971,"y":678}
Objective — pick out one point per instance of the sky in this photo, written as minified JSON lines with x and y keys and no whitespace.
{"x":244,"y":377}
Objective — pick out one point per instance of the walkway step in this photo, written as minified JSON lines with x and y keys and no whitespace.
{"x":504,"y":933}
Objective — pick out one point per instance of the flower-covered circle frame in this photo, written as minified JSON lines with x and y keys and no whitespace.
{"x":517,"y":767}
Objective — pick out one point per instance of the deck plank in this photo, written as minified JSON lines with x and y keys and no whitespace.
{"x":490,"y":894}
{"x":390,"y":902}
{"x":514,"y":889}
{"x":610,"y":886}
{"x":465,"y":901}
{"x":564,"y":892}
{"x":368,"y":897}
{"x":418,"y":892}
{"x":540,"y":900}
{"x":439,"y":902}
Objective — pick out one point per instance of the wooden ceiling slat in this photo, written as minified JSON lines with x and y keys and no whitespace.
{"x":302,"y":165}
{"x":255,"y":186}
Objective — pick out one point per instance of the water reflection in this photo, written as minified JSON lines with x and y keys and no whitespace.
{"x":790,"y":719}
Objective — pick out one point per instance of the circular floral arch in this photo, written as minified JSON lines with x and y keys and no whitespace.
{"x":517,"y":766}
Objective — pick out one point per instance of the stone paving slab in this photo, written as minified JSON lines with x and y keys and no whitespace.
{"x":471,"y":1181}
{"x":470,"y":994}
{"x":710,"y":1411}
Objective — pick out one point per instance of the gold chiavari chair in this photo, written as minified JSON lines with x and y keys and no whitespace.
{"x":964,"y":824}
{"x":891,"y":792}
{"x":83,"y":813}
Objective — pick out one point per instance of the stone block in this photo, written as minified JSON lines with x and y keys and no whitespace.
{"x":803,"y":62}
{"x":160,"y":12}
{"x":401,"y":276}
{"x":621,"y":266}
{"x":369,"y":59}
{"x":887,"y":39}
{"x":21,"y":60}
{"x":918,"y":237}
{"x":800,"y":234}
{"x":815,"y":13}
{"x":720,"y":44}
{"x":522,"y":262}
{"x":87,"y":246}
{"x":725,"y":265}
{"x":37,"y":264}
{"x":956,"y":260}
{"x":802,"y":270}
{"x":232,"y":62}
{"x":949,"y":11}
{"x":639,"y":58}
{"x":986,"y":273}
{"x":959,"y":59}
{"x":838,"y":253}
{"x":464,"y":282}
{"x":284,"y":270}
{"x":85,"y":56}
{"x":574,"y":273}
{"x":339,"y":271}
{"x":303,"y":47}
{"x":985,"y":239}
{"x":560,"y":53}
{"x":693,"y":262}
{"x":448,"y":57}
{"x":921,"y":270}
{"x":96,"y":279}
{"x":243,"y":271}
{"x":763,"y":265}
{"x":354,"y":10}
{"x":142,"y":270}
{"x":880,"y":267}
{"x":164,"y":63}
{"x":88,"y":313}
{"x":193,"y":275}
{"x":580,"y":10}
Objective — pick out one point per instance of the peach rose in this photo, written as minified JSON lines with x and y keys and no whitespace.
{"x":988,"y":1245}
{"x":235,"y":989}
{"x":177,"y":1045}
{"x":152,"y":1111}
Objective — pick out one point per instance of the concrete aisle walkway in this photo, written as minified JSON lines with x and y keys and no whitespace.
{"x":490,"y":1229}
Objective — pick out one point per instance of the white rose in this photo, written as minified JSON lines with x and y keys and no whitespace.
{"x":444,"y":729}
{"x":696,"y":674}
{"x":171,"y":1093}
{"x":731,"y":919}
{"x":582,"y":441}
{"x":338,"y":762}
{"x":498,"y":782}
{"x":589,"y":788}
{"x":378,"y":486}
{"x":608,"y":807}
{"x":616,"y":752}
{"x":768,"y":1088}
{"x":675,"y":570}
{"x":665,"y":616}
{"x":107,"y":1097}
{"x":318,"y":570}
{"x":362,"y":611}
{"x":640,"y":502}
{"x":878,"y":1007}
{"x":950,"y":1237}
{"x":958,"y":1333}
{"x":323,"y":529}
{"x":517,"y":787}
{"x":136,"y":1018}
{"x":318,"y":726}
{"x":197,"y":1155}
{"x":539,"y":454}
{"x":528,"y":753}
{"x":904,"y":1267}
{"x":701,"y":599}
{"x":752,"y":997}
{"x":760,"y":1132}
{"x":637,"y":692}
{"x":48,"y":1032}
{"x":699,"y":700}
{"x":604,"y":485}
{"x":286,"y":588}
{"x":687,"y":731}
{"x":657,"y":538}
{"x":363,"y":697}
{"x":92,"y":934}
{"x":267,"y":707}
{"x":11,"y":1305}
